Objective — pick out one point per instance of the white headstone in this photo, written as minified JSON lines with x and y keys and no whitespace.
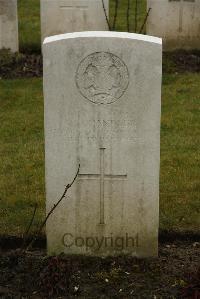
{"x":102,"y":109}
{"x":9,"y":25}
{"x":63,"y":16}
{"x":176,"y":21}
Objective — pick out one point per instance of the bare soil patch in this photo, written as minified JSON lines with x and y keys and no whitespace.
{"x":181,"y":61}
{"x":175,"y":274}
{"x":21,"y":65}
{"x":13,"y":66}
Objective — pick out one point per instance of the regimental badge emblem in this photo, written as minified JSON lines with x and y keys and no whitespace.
{"x":102,"y":78}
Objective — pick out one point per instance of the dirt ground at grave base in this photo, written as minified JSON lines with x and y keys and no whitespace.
{"x":13,"y":66}
{"x":25,"y":65}
{"x":174,"y":274}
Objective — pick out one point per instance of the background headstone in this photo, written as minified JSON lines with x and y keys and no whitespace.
{"x":9,"y":25}
{"x":176,"y":21}
{"x":102,"y":109}
{"x":63,"y":16}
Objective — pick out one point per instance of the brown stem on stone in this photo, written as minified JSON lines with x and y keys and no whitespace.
{"x":105,"y":13}
{"x":145,"y":20}
{"x":128,"y":16}
{"x":52,"y":210}
{"x":115,"y":14}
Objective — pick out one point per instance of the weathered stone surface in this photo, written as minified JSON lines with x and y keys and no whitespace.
{"x":9,"y":25}
{"x":176,"y":21}
{"x":102,"y":109}
{"x":63,"y":16}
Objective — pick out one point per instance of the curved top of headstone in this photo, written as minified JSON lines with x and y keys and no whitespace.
{"x":110,"y":34}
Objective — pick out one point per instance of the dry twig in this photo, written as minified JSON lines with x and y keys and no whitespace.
{"x":104,"y":9}
{"x":29,"y":226}
{"x":115,"y":14}
{"x":145,"y":20}
{"x":52,"y":210}
{"x":136,"y":14}
{"x":128,"y":16}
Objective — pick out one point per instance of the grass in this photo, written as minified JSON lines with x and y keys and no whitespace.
{"x":29,"y":21}
{"x":121,"y":24}
{"x":22,"y":153}
{"x":29,"y":26}
{"x":179,"y":181}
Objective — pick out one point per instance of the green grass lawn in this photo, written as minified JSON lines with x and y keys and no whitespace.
{"x":180,"y":156}
{"x":29,"y":21}
{"x":22,"y":153}
{"x":29,"y":25}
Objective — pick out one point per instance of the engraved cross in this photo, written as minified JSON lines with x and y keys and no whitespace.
{"x":102,"y":177}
